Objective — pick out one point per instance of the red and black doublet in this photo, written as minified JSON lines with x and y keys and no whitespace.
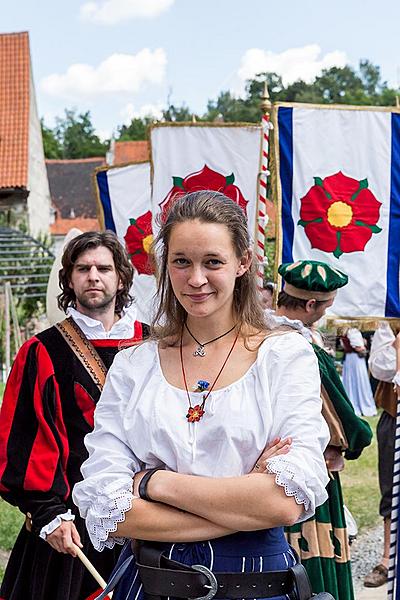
{"x":47,"y":410}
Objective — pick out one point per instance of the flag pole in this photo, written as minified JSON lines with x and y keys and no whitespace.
{"x":394,"y":517}
{"x":262,"y":217}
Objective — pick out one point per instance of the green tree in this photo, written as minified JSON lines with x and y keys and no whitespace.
{"x":178,"y":113}
{"x":51,"y":145}
{"x":76,"y":135}
{"x":136,"y":130}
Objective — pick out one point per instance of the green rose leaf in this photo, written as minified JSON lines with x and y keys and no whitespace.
{"x":373,"y":228}
{"x":134,"y":223}
{"x":318,"y":181}
{"x":178,"y":182}
{"x":230,"y":179}
{"x":304,"y":223}
{"x":337,"y":253}
{"x":362,"y":185}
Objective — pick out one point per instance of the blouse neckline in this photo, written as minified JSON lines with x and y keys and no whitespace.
{"x":215,"y":390}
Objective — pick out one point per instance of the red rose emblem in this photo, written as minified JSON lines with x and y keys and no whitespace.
{"x":138,"y":241}
{"x":339,"y":214}
{"x":206,"y":179}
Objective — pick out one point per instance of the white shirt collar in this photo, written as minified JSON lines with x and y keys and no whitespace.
{"x":93,"y":329}
{"x":273,"y":321}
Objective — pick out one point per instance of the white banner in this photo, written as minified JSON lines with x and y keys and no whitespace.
{"x":126,"y":209}
{"x":340,"y":200}
{"x":194,"y":157}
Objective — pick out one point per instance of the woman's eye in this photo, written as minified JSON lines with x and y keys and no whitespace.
{"x":214,"y":262}
{"x":180,"y":261}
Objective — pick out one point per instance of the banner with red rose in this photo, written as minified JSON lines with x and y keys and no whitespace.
{"x":192,"y":157}
{"x":125,"y":207}
{"x":339,"y":198}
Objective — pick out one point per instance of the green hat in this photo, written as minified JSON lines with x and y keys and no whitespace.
{"x":307,"y":279}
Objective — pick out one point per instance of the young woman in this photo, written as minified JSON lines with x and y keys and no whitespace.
{"x":230,"y":416}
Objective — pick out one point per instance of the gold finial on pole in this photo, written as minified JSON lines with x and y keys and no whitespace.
{"x":266,"y":104}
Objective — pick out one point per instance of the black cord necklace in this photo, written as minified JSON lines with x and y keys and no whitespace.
{"x":200,"y":347}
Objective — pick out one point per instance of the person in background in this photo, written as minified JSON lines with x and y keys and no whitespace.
{"x":267,"y":294}
{"x":177,"y":458}
{"x":384,"y":364}
{"x":309,"y":289}
{"x":47,"y":410}
{"x":355,"y":374}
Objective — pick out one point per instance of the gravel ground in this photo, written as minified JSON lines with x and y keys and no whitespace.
{"x":366,"y":552}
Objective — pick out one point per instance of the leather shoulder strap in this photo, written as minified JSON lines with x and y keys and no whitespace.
{"x":83,"y":350}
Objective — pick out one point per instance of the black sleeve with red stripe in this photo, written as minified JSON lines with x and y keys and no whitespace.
{"x":33,"y":440}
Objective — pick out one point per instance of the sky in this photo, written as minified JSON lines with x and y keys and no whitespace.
{"x":125,"y":58}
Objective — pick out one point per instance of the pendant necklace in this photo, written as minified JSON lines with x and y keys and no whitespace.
{"x":195,"y":413}
{"x":200,"y":347}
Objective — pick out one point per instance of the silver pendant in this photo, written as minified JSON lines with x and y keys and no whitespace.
{"x":199,"y":351}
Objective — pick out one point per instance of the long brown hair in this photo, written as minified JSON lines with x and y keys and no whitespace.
{"x":205,"y":206}
{"x":79,"y":245}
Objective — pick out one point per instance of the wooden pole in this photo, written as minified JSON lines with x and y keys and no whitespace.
{"x":262,"y":218}
{"x":92,"y":570}
{"x":7,"y":331}
{"x":14,"y":315}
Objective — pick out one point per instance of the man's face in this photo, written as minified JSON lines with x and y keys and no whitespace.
{"x":95,"y":281}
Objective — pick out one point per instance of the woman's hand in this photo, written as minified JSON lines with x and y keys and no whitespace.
{"x":274,"y":448}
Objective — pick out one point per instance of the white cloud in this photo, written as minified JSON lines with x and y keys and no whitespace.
{"x":129,"y":112}
{"x":292,"y":64}
{"x":117,"y":74}
{"x":110,"y":12}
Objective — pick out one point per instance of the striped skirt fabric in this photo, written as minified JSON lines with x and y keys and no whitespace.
{"x":245,"y":552}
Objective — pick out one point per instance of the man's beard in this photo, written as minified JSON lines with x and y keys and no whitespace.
{"x":96,"y":304}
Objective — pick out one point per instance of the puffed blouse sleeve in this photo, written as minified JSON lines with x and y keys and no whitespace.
{"x":105,"y":494}
{"x":292,"y":375}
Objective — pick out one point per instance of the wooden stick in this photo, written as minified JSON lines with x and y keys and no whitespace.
{"x":91,"y":569}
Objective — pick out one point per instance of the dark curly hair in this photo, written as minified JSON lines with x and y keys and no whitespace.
{"x":87,"y":241}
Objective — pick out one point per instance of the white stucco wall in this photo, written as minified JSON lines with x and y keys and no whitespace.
{"x":38,"y":185}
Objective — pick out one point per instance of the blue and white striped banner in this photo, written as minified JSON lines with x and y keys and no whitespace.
{"x":125,"y":198}
{"x":339,"y":194}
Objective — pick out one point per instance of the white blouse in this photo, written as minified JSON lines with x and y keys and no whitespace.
{"x":140,"y":422}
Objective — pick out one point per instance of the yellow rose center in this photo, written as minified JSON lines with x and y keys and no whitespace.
{"x":339,"y":214}
{"x":147,"y":242}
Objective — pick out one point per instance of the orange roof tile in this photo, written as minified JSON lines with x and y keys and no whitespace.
{"x":62,"y":226}
{"x":14,"y":109}
{"x":126,"y":152}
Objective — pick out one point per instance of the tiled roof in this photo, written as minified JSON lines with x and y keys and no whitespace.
{"x":14,"y":109}
{"x":126,"y":152}
{"x":71,"y":187}
{"x":62,"y":226}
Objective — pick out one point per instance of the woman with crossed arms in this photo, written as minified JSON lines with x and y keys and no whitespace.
{"x":208,"y":438}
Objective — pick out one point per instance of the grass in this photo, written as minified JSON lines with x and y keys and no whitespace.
{"x":360,"y":484}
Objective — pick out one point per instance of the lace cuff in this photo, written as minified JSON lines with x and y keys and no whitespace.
{"x":108,"y":509}
{"x":56,"y":522}
{"x":285,"y":477}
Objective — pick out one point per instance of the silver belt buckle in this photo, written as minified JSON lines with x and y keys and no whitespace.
{"x":213,"y":583}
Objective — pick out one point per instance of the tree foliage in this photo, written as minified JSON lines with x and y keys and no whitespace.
{"x":74,"y":135}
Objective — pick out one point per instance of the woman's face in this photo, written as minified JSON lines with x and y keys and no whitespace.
{"x":203,"y":267}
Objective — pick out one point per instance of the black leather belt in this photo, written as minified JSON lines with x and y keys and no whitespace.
{"x":165,"y":577}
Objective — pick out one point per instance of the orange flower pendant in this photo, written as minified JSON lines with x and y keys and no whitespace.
{"x":195,"y":413}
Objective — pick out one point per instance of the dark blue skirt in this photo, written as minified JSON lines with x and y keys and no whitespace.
{"x":245,"y":552}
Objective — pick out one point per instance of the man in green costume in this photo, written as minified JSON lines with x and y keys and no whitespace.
{"x":310,"y":288}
